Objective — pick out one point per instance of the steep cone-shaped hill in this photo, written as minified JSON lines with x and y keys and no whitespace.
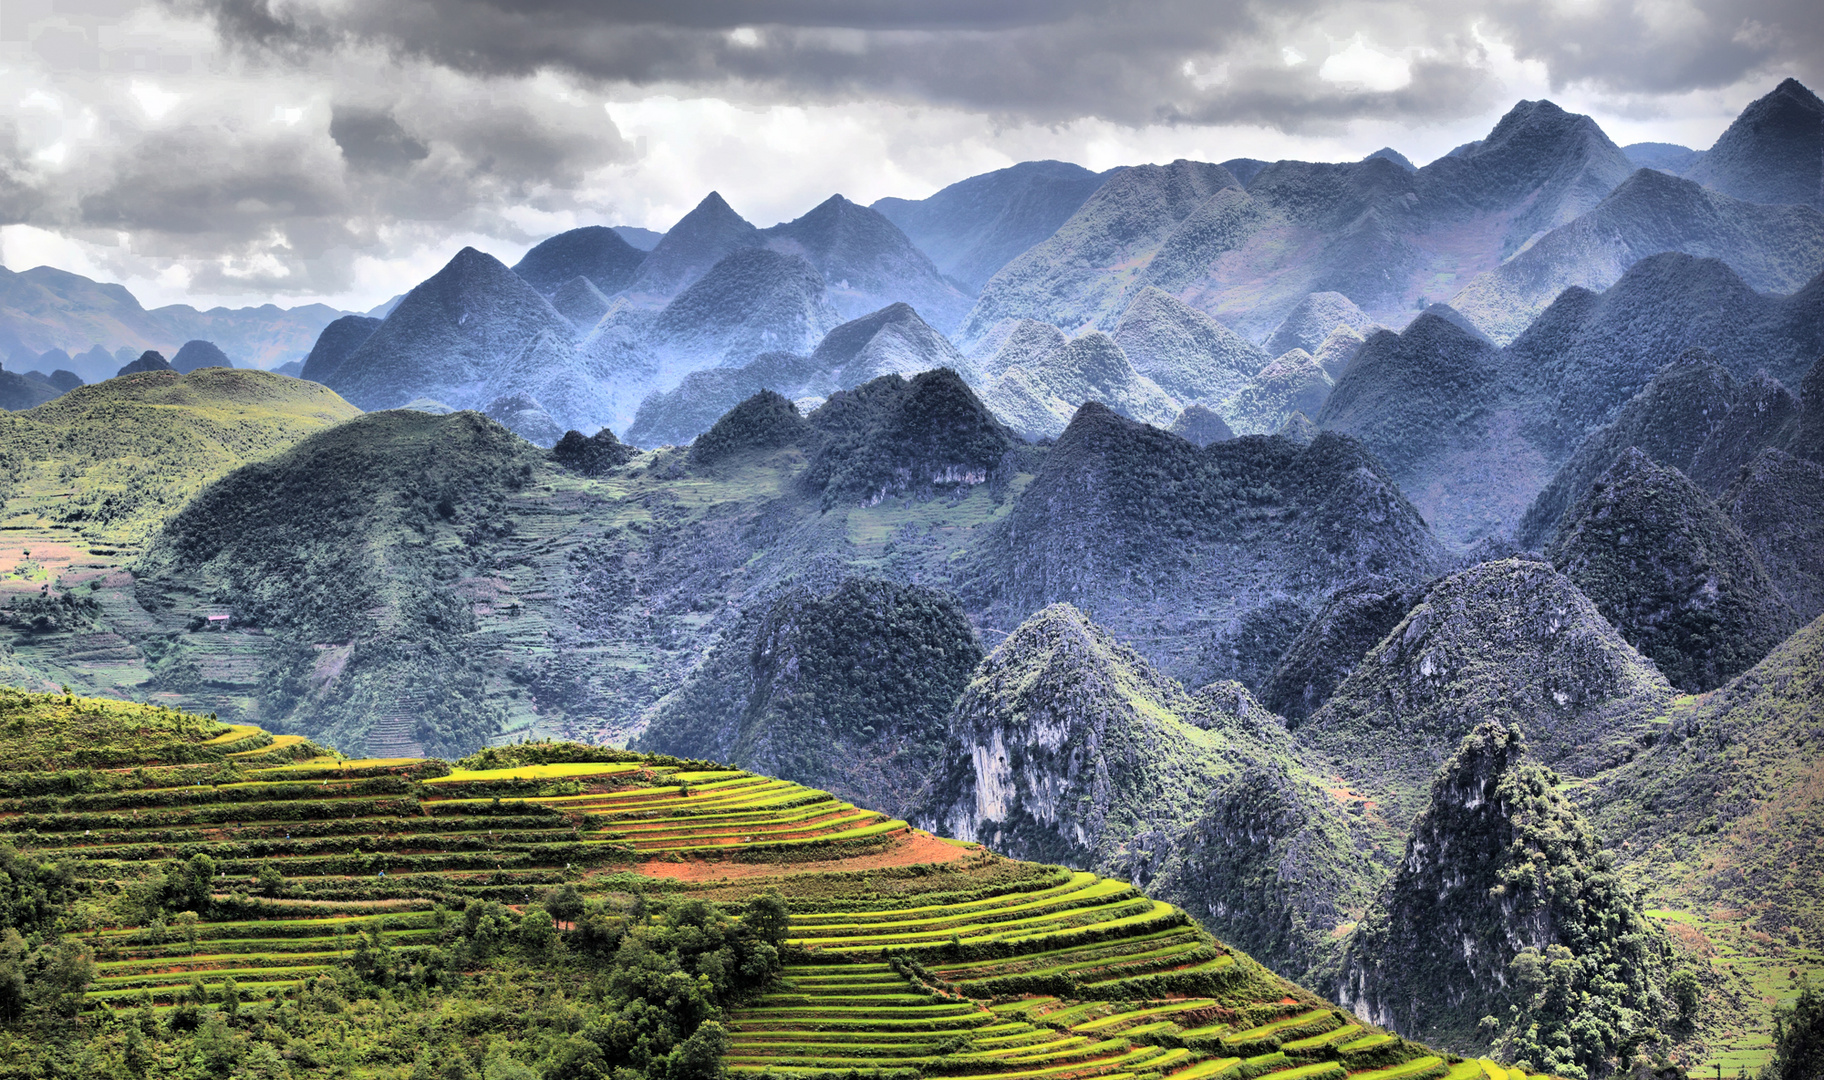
{"x":1081,"y":273}
{"x":1773,"y":152}
{"x":766,"y":421}
{"x":150,"y":360}
{"x":449,"y":338}
{"x":335,"y":343}
{"x":594,"y":252}
{"x":867,"y":263}
{"x":1763,"y":415}
{"x":20,"y":392}
{"x":1068,"y":746}
{"x":1588,"y":354}
{"x":751,"y":302}
{"x":1512,"y":640}
{"x":1337,"y":351}
{"x":1674,"y":575}
{"x":326,"y":543}
{"x":700,"y":240}
{"x":1352,"y":620}
{"x":1778,"y":503}
{"x":1670,"y":420}
{"x":1020,"y":343}
{"x":1189,"y":355}
{"x":846,"y":691}
{"x":1291,"y":383}
{"x":1210,"y":559}
{"x":1200,"y":426}
{"x":1038,"y":401}
{"x":1430,"y":403}
{"x":974,"y":227}
{"x":1067,"y":743}
{"x":580,"y":301}
{"x":1505,"y":901}
{"x":1314,"y":319}
{"x":1723,"y":808}
{"x":893,"y":437}
{"x":1272,"y":861}
{"x":891,"y":341}
{"x":675,"y":417}
{"x":199,"y":354}
{"x":1554,"y":164}
{"x":1774,"y":249}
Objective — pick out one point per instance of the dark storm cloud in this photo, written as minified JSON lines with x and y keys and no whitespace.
{"x":371,"y":139}
{"x":1121,"y":61}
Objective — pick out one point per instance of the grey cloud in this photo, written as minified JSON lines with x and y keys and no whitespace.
{"x":1120,"y":60}
{"x":371,"y":139}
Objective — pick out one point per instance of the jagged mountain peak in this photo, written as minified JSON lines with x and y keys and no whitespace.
{"x":1773,"y":152}
{"x":1672,"y":572}
{"x":689,"y":249}
{"x":866,"y":261}
{"x":1067,"y":739}
{"x":1388,"y":153}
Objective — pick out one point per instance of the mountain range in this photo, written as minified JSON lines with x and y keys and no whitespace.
{"x":1413,"y":575}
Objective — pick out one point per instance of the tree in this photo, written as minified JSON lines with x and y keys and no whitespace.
{"x":271,"y":881}
{"x":1685,"y":993}
{"x":700,"y":1056}
{"x":186,"y":925}
{"x":565,"y":904}
{"x":1798,"y":1038}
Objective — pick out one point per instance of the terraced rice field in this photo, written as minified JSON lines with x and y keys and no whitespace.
{"x":357,"y":840}
{"x":1001,"y":971}
{"x":1073,"y":976}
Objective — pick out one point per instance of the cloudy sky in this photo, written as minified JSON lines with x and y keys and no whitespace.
{"x":241,"y":151}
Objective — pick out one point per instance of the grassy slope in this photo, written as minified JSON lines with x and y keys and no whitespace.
{"x":112,"y":460}
{"x":1717,"y":818}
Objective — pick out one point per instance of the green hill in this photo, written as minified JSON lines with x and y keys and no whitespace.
{"x":109,"y":462}
{"x":556,"y":910}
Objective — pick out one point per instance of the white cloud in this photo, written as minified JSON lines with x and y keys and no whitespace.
{"x":154,"y":101}
{"x":1367,"y":67}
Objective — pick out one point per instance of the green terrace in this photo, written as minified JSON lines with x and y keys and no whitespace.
{"x":981,"y":967}
{"x":829,"y":1018}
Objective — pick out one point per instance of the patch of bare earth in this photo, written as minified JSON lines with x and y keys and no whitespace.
{"x":908,"y":849}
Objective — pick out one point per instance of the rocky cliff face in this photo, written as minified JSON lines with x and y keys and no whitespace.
{"x":1504,"y":901}
{"x":1067,"y":744}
